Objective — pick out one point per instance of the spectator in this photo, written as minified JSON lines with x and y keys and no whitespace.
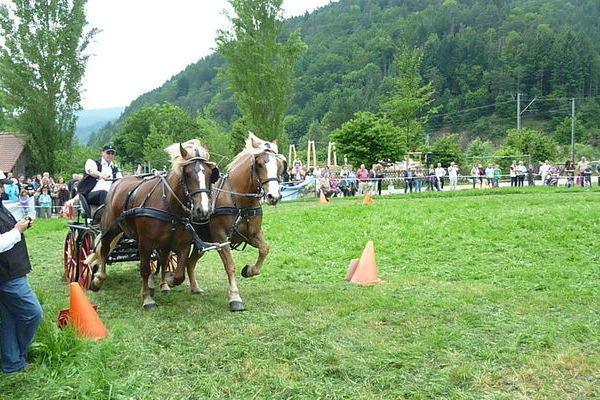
{"x":362,"y":176}
{"x":12,"y":189}
{"x":497,"y":175}
{"x":475,"y":174}
{"x":440,"y":172}
{"x":513,"y":174}
{"x":378,"y":177}
{"x":489,"y":174}
{"x":24,"y":202}
{"x":408,"y":175}
{"x":544,"y":168}
{"x":418,"y":179}
{"x":521,"y":171}
{"x":45,"y":202}
{"x":453,"y":175}
{"x":431,"y":179}
{"x":585,"y":171}
{"x":570,"y":173}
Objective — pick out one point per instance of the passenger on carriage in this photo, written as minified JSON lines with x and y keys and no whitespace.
{"x":99,"y":174}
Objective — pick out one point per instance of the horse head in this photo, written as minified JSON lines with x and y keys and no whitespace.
{"x":190,"y":161}
{"x":268,"y":167}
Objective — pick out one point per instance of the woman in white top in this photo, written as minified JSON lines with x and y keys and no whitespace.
{"x":475,"y":174}
{"x":453,"y":175}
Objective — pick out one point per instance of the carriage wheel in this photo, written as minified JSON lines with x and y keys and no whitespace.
{"x":69,"y":258}
{"x":85,"y":249}
{"x":171,"y":262}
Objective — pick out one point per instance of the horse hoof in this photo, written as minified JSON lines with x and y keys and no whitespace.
{"x":151,"y":290}
{"x":150,"y":306}
{"x":198,"y":292}
{"x":245,"y":271}
{"x":236,"y":306}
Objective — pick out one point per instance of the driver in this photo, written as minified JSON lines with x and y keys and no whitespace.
{"x":94,"y":185}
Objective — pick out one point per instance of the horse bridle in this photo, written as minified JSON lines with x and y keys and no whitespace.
{"x":261,"y":182}
{"x":197,"y":161}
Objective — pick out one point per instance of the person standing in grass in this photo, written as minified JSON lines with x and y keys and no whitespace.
{"x":544,"y":169}
{"x":521,"y":171}
{"x":475,"y":175}
{"x":497,"y":175}
{"x":432,"y":180}
{"x":453,"y":175}
{"x":20,"y":310}
{"x":45,"y":201}
{"x":440,"y":172}
{"x":489,"y":174}
{"x":530,"y":180}
{"x":570,"y":172}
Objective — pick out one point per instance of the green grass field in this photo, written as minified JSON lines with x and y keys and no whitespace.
{"x":488,"y":295}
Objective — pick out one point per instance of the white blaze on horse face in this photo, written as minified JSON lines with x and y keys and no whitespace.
{"x":203,"y":195}
{"x":272,"y":173}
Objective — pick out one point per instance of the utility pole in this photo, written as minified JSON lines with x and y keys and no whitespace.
{"x":573,"y":129}
{"x":518,"y":110}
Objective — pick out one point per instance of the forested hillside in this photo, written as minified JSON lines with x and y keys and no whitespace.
{"x":477,"y":53}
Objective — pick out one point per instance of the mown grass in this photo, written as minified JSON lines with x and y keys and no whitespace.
{"x":488,"y":294}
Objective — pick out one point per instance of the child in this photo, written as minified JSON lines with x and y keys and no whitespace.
{"x":45,"y":201}
{"x":24,"y":202}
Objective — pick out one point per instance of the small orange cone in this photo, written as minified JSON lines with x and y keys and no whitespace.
{"x":368,"y":199}
{"x":323,"y":199}
{"x":364,"y":270}
{"x":83,"y":317}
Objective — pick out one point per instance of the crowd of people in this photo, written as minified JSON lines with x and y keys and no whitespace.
{"x":345,"y":181}
{"x":41,"y":194}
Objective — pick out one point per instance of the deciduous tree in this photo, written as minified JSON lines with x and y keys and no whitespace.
{"x":42,"y":62}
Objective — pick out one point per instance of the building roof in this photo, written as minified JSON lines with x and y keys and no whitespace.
{"x":11,"y":148}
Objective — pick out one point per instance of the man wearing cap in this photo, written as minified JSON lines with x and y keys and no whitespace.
{"x":94,"y":185}
{"x":20,"y":311}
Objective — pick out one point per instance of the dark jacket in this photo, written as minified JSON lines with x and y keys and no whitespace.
{"x":14,"y":263}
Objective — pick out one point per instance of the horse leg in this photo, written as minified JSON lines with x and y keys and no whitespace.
{"x":145,"y":273}
{"x":107,"y":242}
{"x":256,"y":240}
{"x":179,"y":275}
{"x":235,"y":301}
{"x":191,"y":269}
{"x":163,"y":260}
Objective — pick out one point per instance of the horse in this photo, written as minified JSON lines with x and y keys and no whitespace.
{"x":237,"y":214}
{"x":156,"y":211}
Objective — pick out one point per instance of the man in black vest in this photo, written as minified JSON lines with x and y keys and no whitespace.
{"x":94,"y":185}
{"x":20,"y":311}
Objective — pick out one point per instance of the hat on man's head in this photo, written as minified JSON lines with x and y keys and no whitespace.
{"x":109,"y":147}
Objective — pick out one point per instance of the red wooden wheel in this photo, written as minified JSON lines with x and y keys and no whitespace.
{"x":70,"y":258}
{"x":85,"y":249}
{"x":171,"y":262}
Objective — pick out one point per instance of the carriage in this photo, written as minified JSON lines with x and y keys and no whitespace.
{"x":79,"y":244}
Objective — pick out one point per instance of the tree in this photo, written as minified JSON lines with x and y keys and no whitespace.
{"x":446,"y":150}
{"x":479,"y":150}
{"x":260,"y":68}
{"x":368,"y":139}
{"x":167,"y":124}
{"x":42,"y":62}
{"x":409,"y":101}
{"x":528,"y":141}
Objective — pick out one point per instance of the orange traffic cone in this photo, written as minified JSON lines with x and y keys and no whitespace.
{"x":323,"y":199}
{"x":368,"y":199}
{"x":83,"y":317}
{"x":364,"y":270}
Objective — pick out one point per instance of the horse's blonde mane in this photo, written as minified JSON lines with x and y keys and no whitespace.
{"x":193,"y":149}
{"x":254,"y":145}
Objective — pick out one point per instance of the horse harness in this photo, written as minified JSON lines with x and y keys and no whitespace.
{"x":238,"y":213}
{"x":165,"y":216}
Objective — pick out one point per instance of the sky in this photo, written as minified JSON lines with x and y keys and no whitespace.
{"x":143,"y":43}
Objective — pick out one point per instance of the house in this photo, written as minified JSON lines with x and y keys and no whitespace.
{"x":13,"y":154}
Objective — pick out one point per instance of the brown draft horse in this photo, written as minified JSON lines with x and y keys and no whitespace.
{"x":237,"y":215}
{"x":154,"y":211}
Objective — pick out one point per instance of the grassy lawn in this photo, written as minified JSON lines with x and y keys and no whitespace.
{"x":491,"y":295}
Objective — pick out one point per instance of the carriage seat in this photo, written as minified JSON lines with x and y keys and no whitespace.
{"x":88,"y":210}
